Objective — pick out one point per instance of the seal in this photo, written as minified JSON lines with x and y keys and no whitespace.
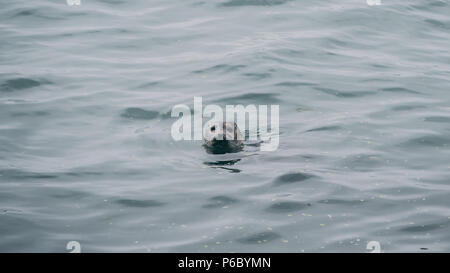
{"x":223,"y":137}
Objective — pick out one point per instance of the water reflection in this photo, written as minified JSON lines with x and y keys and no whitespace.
{"x":222,"y":164}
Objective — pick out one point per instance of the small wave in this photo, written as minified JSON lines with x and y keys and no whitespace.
{"x":22,"y":175}
{"x":438,"y":119}
{"x":425,"y":227}
{"x":238,"y":3}
{"x":220,"y":202}
{"x":139,"y":203}
{"x":292,"y":178}
{"x":427,"y":141}
{"x":340,"y":94}
{"x":138,"y":113}
{"x":399,"y":90}
{"x":257,"y":238}
{"x":287,"y":206}
{"x":20,"y":84}
{"x":222,"y":68}
{"x":295,"y":84}
{"x":251,"y":98}
{"x":325,"y":128}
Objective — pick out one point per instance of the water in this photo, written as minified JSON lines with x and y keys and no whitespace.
{"x":85,"y":147}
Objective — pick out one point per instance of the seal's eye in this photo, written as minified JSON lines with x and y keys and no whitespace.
{"x":213,"y":128}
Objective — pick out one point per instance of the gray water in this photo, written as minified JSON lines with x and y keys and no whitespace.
{"x":86,"y":152}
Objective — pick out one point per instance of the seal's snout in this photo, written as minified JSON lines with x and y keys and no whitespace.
{"x":218,"y":137}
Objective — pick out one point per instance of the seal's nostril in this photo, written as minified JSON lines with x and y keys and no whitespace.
{"x":213,"y":128}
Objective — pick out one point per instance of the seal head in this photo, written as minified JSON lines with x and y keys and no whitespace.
{"x":223,"y":137}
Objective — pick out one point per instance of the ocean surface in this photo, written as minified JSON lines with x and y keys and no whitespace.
{"x":86,"y":152}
